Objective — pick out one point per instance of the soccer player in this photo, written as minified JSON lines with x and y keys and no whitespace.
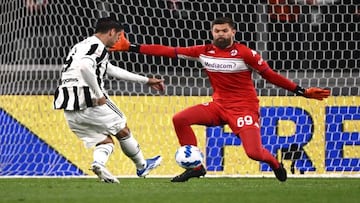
{"x":229,"y":66}
{"x":90,"y":114}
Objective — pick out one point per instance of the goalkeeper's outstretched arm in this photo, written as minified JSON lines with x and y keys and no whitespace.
{"x":156,"y":50}
{"x":281,"y":81}
{"x":159,"y":50}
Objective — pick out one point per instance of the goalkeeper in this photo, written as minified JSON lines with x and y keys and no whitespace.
{"x":91,"y":115}
{"x":229,"y":66}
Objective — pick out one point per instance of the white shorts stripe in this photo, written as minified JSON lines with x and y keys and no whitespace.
{"x":114,"y":108}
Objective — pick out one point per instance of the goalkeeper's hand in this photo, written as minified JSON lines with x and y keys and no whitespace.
{"x":157,"y":84}
{"x":122,"y":44}
{"x":316,"y":93}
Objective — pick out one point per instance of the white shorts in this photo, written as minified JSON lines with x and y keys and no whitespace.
{"x":94,"y":124}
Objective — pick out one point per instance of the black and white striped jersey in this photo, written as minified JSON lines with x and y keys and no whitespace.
{"x":74,"y":92}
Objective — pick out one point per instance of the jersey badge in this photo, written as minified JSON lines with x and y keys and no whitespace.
{"x":233,"y":52}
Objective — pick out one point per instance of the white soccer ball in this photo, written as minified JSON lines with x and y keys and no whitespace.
{"x":189,"y":156}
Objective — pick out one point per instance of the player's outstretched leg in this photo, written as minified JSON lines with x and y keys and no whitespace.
{"x":151,"y":164}
{"x":103,"y":174}
{"x":280,"y":173}
{"x":190,"y":173}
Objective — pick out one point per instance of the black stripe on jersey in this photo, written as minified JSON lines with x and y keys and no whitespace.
{"x":97,"y":71}
{"x":102,"y":56}
{"x":87,"y":97}
{"x":92,"y":49}
{"x":76,"y":101}
{"x":98,"y":77}
{"x":114,"y":108}
{"x":66,"y":98}
{"x":56,"y":96}
{"x":106,"y":67}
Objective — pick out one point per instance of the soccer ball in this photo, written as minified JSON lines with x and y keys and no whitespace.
{"x":189,"y":156}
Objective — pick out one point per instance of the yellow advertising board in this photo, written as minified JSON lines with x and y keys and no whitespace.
{"x":319,"y":137}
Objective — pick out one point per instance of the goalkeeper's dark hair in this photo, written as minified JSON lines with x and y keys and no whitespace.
{"x":105,"y":24}
{"x":223,"y":20}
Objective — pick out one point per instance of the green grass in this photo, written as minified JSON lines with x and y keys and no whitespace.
{"x":219,"y":190}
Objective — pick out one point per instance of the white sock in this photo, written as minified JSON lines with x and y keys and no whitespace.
{"x":131,"y":149}
{"x":102,"y":152}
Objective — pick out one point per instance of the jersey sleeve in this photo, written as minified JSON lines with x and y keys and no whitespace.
{"x":123,"y":74}
{"x":255,"y":61}
{"x":171,"y":52}
{"x":88,"y":74}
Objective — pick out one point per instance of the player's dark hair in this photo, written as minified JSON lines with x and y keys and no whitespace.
{"x":223,"y":20}
{"x":105,"y":24}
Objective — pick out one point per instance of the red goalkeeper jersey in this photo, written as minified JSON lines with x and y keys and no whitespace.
{"x":229,"y":70}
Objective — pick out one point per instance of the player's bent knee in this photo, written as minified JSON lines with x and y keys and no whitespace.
{"x":125,"y":132}
{"x":255,"y":154}
{"x":179,"y":119}
{"x":106,"y":141}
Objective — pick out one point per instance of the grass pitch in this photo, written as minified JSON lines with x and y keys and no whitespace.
{"x":158,"y":190}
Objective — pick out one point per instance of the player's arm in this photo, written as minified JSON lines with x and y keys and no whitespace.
{"x":281,"y":81}
{"x":155,"y":49}
{"x":87,"y":71}
{"x":117,"y":72}
{"x":255,"y":60}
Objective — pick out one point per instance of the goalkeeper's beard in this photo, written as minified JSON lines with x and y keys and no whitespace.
{"x":222,"y":43}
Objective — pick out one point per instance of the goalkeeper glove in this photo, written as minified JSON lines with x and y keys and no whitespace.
{"x":313,"y":92}
{"x":121,"y":45}
{"x":316,"y":93}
